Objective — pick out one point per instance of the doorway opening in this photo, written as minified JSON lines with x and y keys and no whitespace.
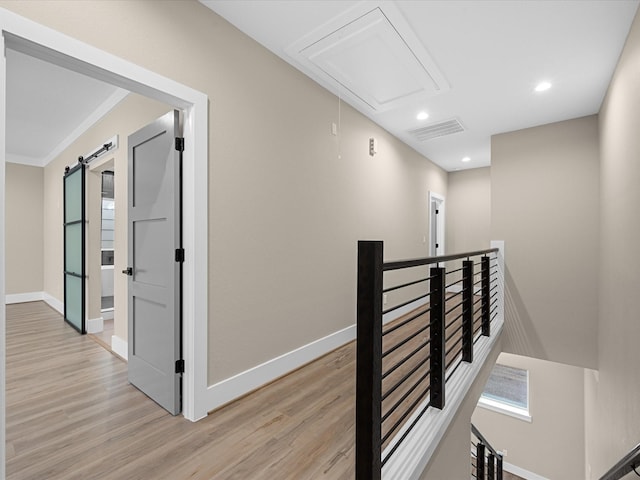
{"x":40,"y":42}
{"x":436,"y":224}
{"x":107,"y":240}
{"x":103,"y":330}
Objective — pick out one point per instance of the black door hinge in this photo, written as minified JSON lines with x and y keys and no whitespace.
{"x":437,"y":211}
{"x":179,"y":366}
{"x":179,"y":254}
{"x":180,"y":144}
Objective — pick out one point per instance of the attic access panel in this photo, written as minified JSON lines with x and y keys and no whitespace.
{"x":379,"y":61}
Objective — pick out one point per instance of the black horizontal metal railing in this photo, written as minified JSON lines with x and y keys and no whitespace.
{"x":486,"y":462}
{"x":629,"y":463}
{"x":403,"y":366}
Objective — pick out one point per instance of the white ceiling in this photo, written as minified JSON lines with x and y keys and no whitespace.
{"x":48,"y":107}
{"x":476,"y":62}
{"x":472,"y":61}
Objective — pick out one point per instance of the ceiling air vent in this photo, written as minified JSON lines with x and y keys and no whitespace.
{"x":436,"y":130}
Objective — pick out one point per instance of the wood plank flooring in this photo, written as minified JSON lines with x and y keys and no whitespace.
{"x":104,"y":337}
{"x":71,"y":414}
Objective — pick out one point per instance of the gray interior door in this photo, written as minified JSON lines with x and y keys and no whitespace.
{"x":74,"y":247}
{"x":155,"y":261}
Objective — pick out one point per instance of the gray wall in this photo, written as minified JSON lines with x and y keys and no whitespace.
{"x":452,"y":460}
{"x":616,"y":428}
{"x":24,"y":229}
{"x":468,"y":210}
{"x":544,"y":205}
{"x":287,"y":200}
{"x":552,"y":445}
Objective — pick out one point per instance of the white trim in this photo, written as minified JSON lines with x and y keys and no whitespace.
{"x":23,"y":160}
{"x":53,"y":302}
{"x":23,"y":297}
{"x":439,"y":200}
{"x":521,"y":472}
{"x":227,"y":390}
{"x":504,"y":409}
{"x":195,"y":276}
{"x":95,"y":325}
{"x":47,"y":44}
{"x":3,"y":317}
{"x":107,"y":314}
{"x":120,"y":347}
{"x":245,"y":382}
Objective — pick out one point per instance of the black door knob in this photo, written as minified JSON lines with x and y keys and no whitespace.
{"x":128,"y":271}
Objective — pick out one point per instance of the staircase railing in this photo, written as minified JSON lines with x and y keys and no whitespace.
{"x":406,"y":352}
{"x":486,"y":462}
{"x":629,"y":463}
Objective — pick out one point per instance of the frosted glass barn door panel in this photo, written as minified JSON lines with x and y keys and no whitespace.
{"x":74,"y":248}
{"x":73,"y":301}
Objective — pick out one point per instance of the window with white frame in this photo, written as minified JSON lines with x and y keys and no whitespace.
{"x":507,"y":392}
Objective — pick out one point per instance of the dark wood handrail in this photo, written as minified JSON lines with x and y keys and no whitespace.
{"x":629,"y":463}
{"x":417,"y":262}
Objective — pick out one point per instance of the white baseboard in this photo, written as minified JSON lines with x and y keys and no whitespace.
{"x":227,"y":390}
{"x":234,"y":387}
{"x":53,"y":302}
{"x":23,"y":297}
{"x":119,"y":347}
{"x":95,"y":325}
{"x":107,"y":314}
{"x":521,"y":472}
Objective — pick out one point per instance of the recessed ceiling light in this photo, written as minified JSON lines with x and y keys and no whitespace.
{"x":422,"y":115}
{"x":466,"y":159}
{"x":542,"y":86}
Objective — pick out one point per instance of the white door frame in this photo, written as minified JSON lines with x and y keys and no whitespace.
{"x":437,"y":200}
{"x":45,"y":43}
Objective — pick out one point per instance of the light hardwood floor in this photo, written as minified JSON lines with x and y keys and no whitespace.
{"x":72,"y":414}
{"x":104,"y":337}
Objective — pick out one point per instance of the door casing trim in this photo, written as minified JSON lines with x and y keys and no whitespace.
{"x":439,"y":201}
{"x":45,"y":43}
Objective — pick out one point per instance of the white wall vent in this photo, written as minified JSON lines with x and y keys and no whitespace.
{"x":435,"y":130}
